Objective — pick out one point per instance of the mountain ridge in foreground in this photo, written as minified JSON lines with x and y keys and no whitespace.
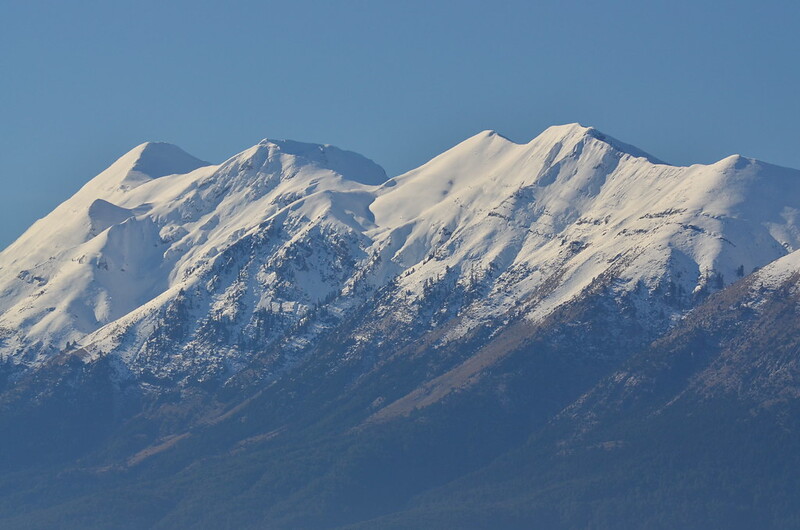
{"x":291,"y":339}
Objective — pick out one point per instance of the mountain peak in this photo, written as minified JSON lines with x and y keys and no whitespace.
{"x":566,"y":134}
{"x":491,"y":134}
{"x":735,"y":162}
{"x":568,"y":129}
{"x":349,"y":164}
{"x":575,"y":132}
{"x":147,"y":161}
{"x":158,"y":159}
{"x":486,"y":136}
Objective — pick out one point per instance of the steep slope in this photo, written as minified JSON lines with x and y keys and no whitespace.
{"x":225,"y":260}
{"x":128,"y":238}
{"x":571,"y":199}
{"x":741,"y":345}
{"x":492,"y":230}
{"x":55,"y":279}
{"x":699,"y":429}
{"x":263,"y":342}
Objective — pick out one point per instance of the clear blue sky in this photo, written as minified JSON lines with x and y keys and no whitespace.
{"x":83,"y":82}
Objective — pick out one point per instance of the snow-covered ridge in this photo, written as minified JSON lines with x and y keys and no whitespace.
{"x":219,"y":260}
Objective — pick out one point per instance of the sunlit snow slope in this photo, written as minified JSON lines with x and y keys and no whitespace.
{"x":183,"y":267}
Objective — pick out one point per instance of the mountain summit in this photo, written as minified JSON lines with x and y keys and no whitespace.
{"x":304,"y":224}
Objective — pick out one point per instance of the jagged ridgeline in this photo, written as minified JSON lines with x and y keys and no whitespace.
{"x":299,"y":341}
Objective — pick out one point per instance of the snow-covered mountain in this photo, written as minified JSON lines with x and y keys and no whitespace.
{"x":180,"y":268}
{"x":564,"y":333}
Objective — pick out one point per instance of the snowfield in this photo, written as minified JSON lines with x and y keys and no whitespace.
{"x":177,"y":266}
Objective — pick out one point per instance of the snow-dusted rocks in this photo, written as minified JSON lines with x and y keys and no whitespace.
{"x":183,"y":269}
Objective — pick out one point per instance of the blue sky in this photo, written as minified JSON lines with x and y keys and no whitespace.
{"x":83,"y":82}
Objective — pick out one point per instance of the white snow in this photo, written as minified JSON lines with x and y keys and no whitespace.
{"x":286,"y":225}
